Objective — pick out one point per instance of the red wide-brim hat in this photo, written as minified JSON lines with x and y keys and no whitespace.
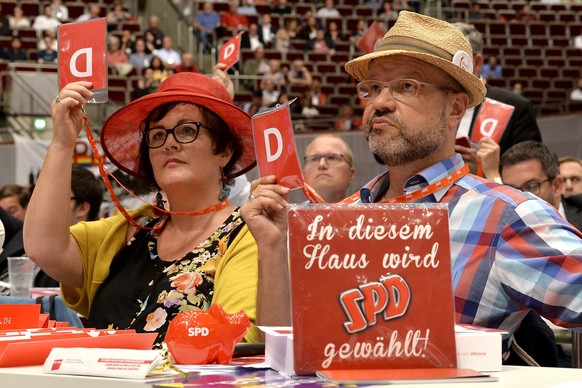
{"x":122,"y":133}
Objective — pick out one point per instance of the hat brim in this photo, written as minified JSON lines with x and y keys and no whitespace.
{"x":359,"y":68}
{"x":122,"y":133}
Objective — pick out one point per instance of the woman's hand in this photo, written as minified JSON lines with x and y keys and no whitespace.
{"x":67,"y":111}
{"x":221,"y":76}
{"x":266,"y":217}
{"x":265,"y":212}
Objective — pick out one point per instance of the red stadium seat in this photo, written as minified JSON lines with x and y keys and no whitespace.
{"x":497,"y":5}
{"x":537,"y":29}
{"x":566,"y":16}
{"x":557,"y":29}
{"x":541,"y":83}
{"x":547,"y":16}
{"x":527,"y":71}
{"x":517,"y":5}
{"x":30,"y":8}
{"x":348,"y":10}
{"x":571,"y":72}
{"x":549,"y":72}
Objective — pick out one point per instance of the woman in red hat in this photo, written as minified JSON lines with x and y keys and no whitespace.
{"x":188,"y":140}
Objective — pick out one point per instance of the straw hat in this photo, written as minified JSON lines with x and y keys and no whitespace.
{"x":121,"y":134}
{"x":431,"y":40}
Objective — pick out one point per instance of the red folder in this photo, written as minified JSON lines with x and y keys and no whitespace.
{"x":33,"y":347}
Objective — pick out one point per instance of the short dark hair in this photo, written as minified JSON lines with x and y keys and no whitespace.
{"x":565,"y":159}
{"x":86,"y":187}
{"x":528,"y":150}
{"x":22,"y":193}
{"x":222,"y":139}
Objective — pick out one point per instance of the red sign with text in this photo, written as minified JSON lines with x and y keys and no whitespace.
{"x":229,"y":53}
{"x":83,"y":53}
{"x":275,"y":146}
{"x":492,"y":120}
{"x":377,"y":278}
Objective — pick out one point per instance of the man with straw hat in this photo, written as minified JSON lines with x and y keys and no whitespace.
{"x":511,"y":252}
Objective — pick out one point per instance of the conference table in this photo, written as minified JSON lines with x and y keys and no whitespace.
{"x":509,"y":377}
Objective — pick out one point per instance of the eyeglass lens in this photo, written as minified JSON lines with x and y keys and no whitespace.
{"x":183,"y":133}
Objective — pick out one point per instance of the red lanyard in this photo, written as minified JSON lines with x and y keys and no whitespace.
{"x":314,"y":197}
{"x":105,"y":173}
{"x":430,"y":189}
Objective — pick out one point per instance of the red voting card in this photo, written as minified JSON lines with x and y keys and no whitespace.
{"x":275,"y":146}
{"x":83,"y":55}
{"x":229,"y":53}
{"x":371,"y":37}
{"x":492,"y":120}
{"x":378,"y":279}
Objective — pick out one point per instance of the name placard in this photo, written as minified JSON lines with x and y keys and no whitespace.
{"x":19,"y":316}
{"x":371,"y":287}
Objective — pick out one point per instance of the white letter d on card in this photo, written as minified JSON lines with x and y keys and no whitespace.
{"x":228,"y":50}
{"x":88,"y":52}
{"x":279,"y":149}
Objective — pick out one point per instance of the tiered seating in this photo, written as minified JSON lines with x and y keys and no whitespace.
{"x":538,"y":54}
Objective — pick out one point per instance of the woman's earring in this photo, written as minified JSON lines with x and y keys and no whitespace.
{"x":225,"y":192}
{"x":160,"y":200}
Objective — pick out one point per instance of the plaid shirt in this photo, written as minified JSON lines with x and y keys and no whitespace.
{"x":510,"y":251}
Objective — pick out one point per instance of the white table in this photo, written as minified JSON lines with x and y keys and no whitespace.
{"x":510,"y":377}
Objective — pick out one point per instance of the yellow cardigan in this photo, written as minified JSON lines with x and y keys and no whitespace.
{"x":235,"y":282}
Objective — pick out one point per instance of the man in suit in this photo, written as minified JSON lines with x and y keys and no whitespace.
{"x":267,"y":31}
{"x":522,"y":124}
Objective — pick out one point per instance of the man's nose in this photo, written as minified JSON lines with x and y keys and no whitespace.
{"x":384,"y":100}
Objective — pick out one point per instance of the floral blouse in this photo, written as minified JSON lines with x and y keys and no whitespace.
{"x":149,"y":292}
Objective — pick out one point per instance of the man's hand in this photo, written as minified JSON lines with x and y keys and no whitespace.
{"x":489,"y":154}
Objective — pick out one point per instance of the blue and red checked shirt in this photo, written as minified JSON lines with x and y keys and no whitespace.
{"x":510,"y":251}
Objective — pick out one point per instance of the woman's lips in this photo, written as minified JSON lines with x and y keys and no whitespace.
{"x":173,"y":161}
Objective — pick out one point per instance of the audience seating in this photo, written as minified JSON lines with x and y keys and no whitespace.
{"x":539,"y":54}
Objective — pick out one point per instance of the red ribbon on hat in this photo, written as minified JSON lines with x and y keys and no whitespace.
{"x":105,"y":173}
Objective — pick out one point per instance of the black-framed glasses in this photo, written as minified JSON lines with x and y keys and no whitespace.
{"x":534,"y":187}
{"x":183,"y":133}
{"x":400,"y":89}
{"x":329,"y":158}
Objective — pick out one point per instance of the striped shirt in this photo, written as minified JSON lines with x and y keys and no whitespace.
{"x":510,"y":251}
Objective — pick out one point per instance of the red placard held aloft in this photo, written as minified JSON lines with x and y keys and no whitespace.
{"x":83,"y":55}
{"x":229,"y":53}
{"x":492,"y":120}
{"x":371,"y":37}
{"x":275,"y":146}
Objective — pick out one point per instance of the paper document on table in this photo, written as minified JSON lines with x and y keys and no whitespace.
{"x":104,"y":362}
